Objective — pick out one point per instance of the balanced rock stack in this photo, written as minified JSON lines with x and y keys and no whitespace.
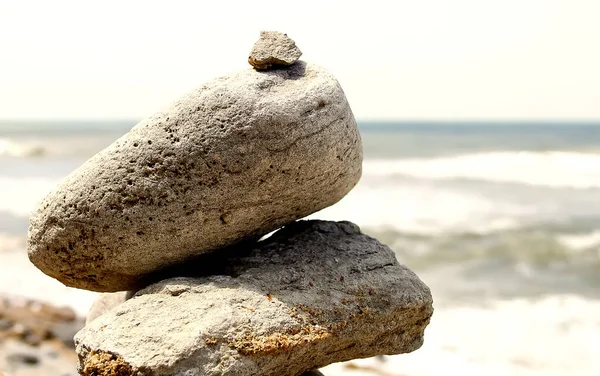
{"x":170,"y":216}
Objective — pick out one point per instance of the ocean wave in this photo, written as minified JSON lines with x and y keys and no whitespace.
{"x":81,"y":146}
{"x":555,"y":169}
{"x":427,"y":208}
{"x":11,"y":148}
{"x":537,"y":245}
{"x":508,"y":263}
{"x":581,"y":241}
{"x":422,"y":206}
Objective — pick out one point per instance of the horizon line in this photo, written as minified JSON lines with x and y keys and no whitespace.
{"x":358,"y":120}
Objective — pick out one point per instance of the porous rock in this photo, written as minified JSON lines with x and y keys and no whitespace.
{"x":312,"y":294}
{"x":233,"y":160}
{"x":273,"y":49}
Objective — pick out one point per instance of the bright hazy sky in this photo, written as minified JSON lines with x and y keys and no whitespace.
{"x":417,"y":59}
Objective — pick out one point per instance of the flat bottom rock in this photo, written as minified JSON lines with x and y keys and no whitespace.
{"x":312,"y":294}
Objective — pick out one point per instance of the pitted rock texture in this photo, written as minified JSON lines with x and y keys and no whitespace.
{"x":312,"y":294}
{"x":273,"y":49}
{"x":235,"y":159}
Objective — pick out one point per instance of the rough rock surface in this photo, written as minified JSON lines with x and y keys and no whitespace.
{"x":106,"y":302}
{"x":312,"y":294}
{"x":273,"y":49}
{"x":235,"y":159}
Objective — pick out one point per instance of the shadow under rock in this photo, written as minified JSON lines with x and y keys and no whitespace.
{"x":226,"y":261}
{"x":292,"y":72}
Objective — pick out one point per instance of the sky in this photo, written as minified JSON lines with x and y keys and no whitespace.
{"x":396,"y":60}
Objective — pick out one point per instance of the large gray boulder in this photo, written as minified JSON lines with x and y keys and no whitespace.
{"x":314,"y":293}
{"x":233,"y":160}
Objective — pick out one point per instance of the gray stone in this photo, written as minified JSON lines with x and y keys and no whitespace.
{"x":273,"y":49}
{"x":106,"y":302}
{"x":233,"y":160}
{"x":312,"y":294}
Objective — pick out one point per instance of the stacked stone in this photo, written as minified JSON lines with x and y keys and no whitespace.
{"x":169,"y":218}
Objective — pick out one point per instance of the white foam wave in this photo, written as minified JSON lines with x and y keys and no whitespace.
{"x":21,"y":149}
{"x":552,"y":169}
{"x":20,"y":196}
{"x":411,"y":205}
{"x":420,"y":207}
{"x":581,"y":242}
{"x":425,"y":208}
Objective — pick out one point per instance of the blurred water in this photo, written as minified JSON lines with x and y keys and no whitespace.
{"x":499,"y":219}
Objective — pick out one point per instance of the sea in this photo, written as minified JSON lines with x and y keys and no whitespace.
{"x":500,"y":219}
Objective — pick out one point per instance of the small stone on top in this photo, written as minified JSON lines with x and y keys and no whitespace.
{"x":273,"y":49}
